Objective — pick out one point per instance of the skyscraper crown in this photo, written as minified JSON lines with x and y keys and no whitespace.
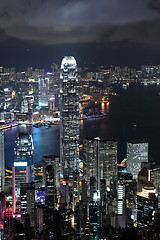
{"x":69,"y":62}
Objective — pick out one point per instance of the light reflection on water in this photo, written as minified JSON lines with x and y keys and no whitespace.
{"x":136,"y":106}
{"x":46,"y":142}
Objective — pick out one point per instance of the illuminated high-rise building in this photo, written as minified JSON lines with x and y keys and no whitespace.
{"x":100,"y":161}
{"x":69,"y":116}
{"x":24,"y":151}
{"x":20,"y":174}
{"x":146,"y":205}
{"x":27,"y":194}
{"x":23,"y":169}
{"x":108,"y":159}
{"x":120,"y":197}
{"x":51,"y":180}
{"x":137,"y":152}
{"x":155,"y":178}
{"x":2,"y":162}
{"x":43,"y":85}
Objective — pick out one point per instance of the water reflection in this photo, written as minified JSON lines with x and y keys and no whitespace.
{"x":137,"y":106}
{"x":103,"y":107}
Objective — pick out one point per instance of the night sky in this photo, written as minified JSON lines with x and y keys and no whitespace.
{"x":118,"y":32}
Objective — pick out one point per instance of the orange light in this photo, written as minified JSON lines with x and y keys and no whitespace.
{"x":21,"y":171}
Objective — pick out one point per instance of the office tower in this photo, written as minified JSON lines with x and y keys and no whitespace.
{"x":51,"y":104}
{"x":100,"y":161}
{"x":137,"y":152}
{"x":121,"y":204}
{"x":146,"y":205}
{"x":130,"y":186}
{"x":24,"y":106}
{"x":27,"y":104}
{"x":2,"y":162}
{"x":120,"y":197}
{"x":24,"y":152}
{"x":20,"y":174}
{"x":69,"y":117}
{"x":142,"y":179}
{"x":51,"y":180}
{"x":93,"y":218}
{"x":27,"y":193}
{"x":100,"y":171}
{"x":39,"y":217}
{"x":108,"y":156}
{"x":155,"y":177}
{"x":43,"y":85}
{"x":91,"y":163}
{"x":23,"y":169}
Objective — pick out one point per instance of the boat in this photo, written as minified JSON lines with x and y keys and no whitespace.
{"x":124,"y":85}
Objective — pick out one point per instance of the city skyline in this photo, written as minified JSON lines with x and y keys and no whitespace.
{"x":79,"y":119}
{"x":80,"y":122}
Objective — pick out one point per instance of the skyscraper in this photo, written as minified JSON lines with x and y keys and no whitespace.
{"x":51,"y":180}
{"x":43,"y":85}
{"x":69,"y":116}
{"x":146,"y":205}
{"x":137,"y":152}
{"x":23,"y":170}
{"x":24,"y":151}
{"x":100,"y":160}
{"x":27,"y":194}
{"x":120,"y":196}
{"x":20,"y":174}
{"x":2,"y":162}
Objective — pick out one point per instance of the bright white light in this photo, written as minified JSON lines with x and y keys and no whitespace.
{"x":70,"y":61}
{"x":52,"y":99}
{"x":20,"y":164}
{"x":61,"y":175}
{"x":96,"y":196}
{"x":6,"y":90}
{"x":35,"y":113}
{"x":146,"y":192}
{"x":56,"y":119}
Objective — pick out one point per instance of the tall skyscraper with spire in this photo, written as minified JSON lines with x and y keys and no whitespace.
{"x":69,"y":116}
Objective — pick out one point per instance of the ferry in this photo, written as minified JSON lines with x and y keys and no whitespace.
{"x":124,"y":85}
{"x":93,"y":117}
{"x":8,"y":125}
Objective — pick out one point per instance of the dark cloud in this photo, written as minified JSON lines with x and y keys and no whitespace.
{"x":146,"y":32}
{"x":110,"y":31}
{"x":71,"y":21}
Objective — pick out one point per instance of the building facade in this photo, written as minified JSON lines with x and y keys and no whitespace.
{"x":51,"y":180}
{"x":137,"y":152}
{"x":100,"y":161}
{"x":24,"y":151}
{"x":43,"y":85}
{"x":23,"y":169}
{"x":20,"y":174}
{"x":146,"y":205}
{"x":69,"y":117}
